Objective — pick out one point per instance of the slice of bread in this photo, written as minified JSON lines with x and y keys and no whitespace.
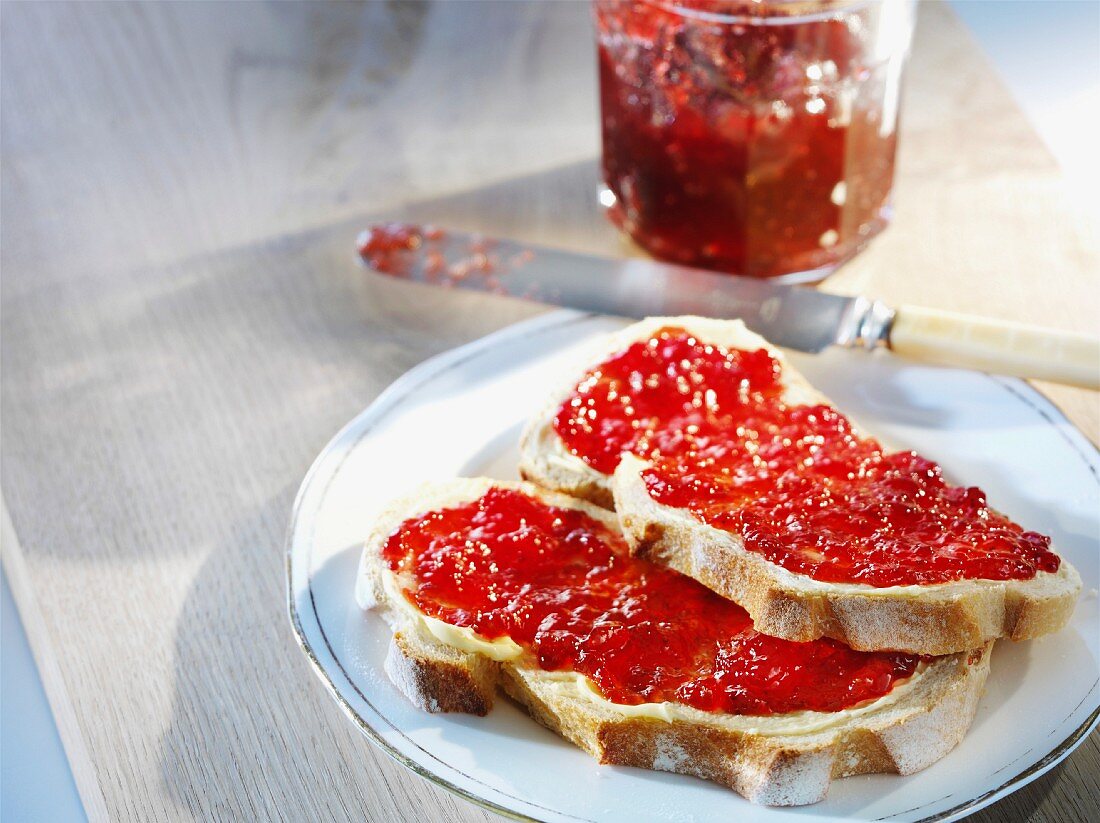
{"x":545,"y":460}
{"x":933,"y":619}
{"x":786,"y":759}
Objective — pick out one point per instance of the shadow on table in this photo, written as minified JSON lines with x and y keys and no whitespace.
{"x":252,"y":735}
{"x":245,"y":710}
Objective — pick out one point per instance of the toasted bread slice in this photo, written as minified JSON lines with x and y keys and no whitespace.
{"x":785,"y":759}
{"x":926,"y":619}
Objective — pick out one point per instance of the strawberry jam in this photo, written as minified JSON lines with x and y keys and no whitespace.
{"x":564,"y":587}
{"x":391,"y":248}
{"x":750,"y":136}
{"x":795,"y":482}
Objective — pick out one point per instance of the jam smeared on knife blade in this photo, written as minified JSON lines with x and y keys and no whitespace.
{"x":430,"y":253}
{"x":561,"y":585}
{"x":391,"y":247}
{"x":795,"y":482}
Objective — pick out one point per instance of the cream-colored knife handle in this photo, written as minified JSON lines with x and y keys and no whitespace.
{"x":996,"y":346}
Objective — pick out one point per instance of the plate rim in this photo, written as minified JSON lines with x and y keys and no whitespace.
{"x":1023,"y":391}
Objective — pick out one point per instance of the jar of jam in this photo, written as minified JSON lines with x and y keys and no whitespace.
{"x":755,"y":137}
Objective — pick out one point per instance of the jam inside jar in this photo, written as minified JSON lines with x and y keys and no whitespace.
{"x":755,"y":137}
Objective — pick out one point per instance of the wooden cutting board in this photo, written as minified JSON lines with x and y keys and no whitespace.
{"x":183,"y":330}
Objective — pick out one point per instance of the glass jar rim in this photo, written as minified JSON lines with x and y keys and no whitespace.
{"x":835,"y":9}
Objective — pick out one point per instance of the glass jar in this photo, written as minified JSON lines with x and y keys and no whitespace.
{"x":755,"y":138}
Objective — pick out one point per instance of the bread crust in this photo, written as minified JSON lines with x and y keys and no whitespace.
{"x":934,"y":619}
{"x":764,"y":762}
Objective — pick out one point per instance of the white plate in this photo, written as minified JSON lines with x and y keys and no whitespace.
{"x":461,"y":413}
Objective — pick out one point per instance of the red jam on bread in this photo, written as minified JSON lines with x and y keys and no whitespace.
{"x":563,"y":586}
{"x":795,"y":482}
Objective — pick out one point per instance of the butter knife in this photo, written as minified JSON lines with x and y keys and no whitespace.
{"x":793,"y":317}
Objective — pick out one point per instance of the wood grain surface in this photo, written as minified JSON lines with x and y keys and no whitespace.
{"x":183,"y":329}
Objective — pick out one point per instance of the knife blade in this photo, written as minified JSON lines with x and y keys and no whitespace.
{"x":794,"y":317}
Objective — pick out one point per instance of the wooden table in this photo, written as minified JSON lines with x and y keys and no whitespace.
{"x":183,"y":329}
